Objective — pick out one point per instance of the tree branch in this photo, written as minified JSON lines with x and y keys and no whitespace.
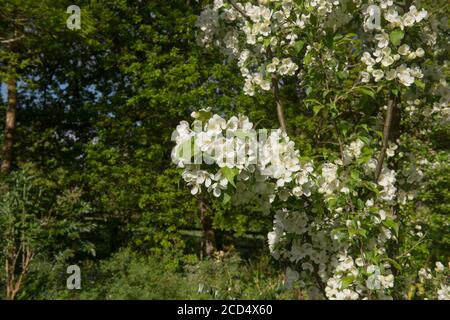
{"x":11,"y":40}
{"x":10,"y":124}
{"x":319,"y":281}
{"x":386,"y":133}
{"x":208,"y":245}
{"x":235,"y":6}
{"x":279,"y":103}
{"x":341,"y":145}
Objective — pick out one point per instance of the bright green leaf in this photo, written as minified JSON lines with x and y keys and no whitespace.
{"x":396,"y":37}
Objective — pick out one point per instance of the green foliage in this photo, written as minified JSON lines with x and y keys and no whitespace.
{"x":231,"y":278}
{"x":128,"y":275}
{"x":41,"y":221}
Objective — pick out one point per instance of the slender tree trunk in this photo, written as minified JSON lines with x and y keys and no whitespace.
{"x":208,"y":246}
{"x":10,"y":125}
{"x":275,"y":88}
{"x":17,"y":260}
{"x":391,"y":115}
{"x":395,"y":125}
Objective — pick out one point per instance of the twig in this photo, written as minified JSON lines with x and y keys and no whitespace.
{"x":276,"y":94}
{"x":235,"y":6}
{"x":421,"y":240}
{"x":12,"y":40}
{"x":279,"y":103}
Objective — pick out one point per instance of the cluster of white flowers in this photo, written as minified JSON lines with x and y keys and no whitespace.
{"x":328,"y":180}
{"x":324,"y":7}
{"x":409,"y":19}
{"x":208,"y":21}
{"x":312,"y":244}
{"x":444,"y":292}
{"x":260,"y":36}
{"x":353,"y":151}
{"x":342,"y":286}
{"x":440,"y":110}
{"x":387,"y":181}
{"x":316,"y":236}
{"x":437,"y":278}
{"x":345,"y":277}
{"x":413,"y":175}
{"x":376,"y":280}
{"x":387,"y":61}
{"x":233,"y":153}
{"x":404,"y":74}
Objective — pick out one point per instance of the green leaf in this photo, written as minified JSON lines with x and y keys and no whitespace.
{"x":366,"y":155}
{"x":352,"y":232}
{"x":230,"y":173}
{"x":298,"y":46}
{"x":355,"y":175}
{"x":394,"y":263}
{"x":420,"y":84}
{"x":338,"y":37}
{"x":371,"y":186}
{"x":363,"y":233}
{"x":392,"y":225}
{"x":204,"y":115}
{"x":341,"y":75}
{"x":346,"y":281}
{"x":315,"y":101}
{"x":366,"y":91}
{"x":308,"y":58}
{"x":360,"y":204}
{"x":317,"y":109}
{"x":396,"y":37}
{"x":226,"y":198}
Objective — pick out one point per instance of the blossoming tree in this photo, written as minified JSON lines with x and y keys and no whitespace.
{"x":372,"y":75}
